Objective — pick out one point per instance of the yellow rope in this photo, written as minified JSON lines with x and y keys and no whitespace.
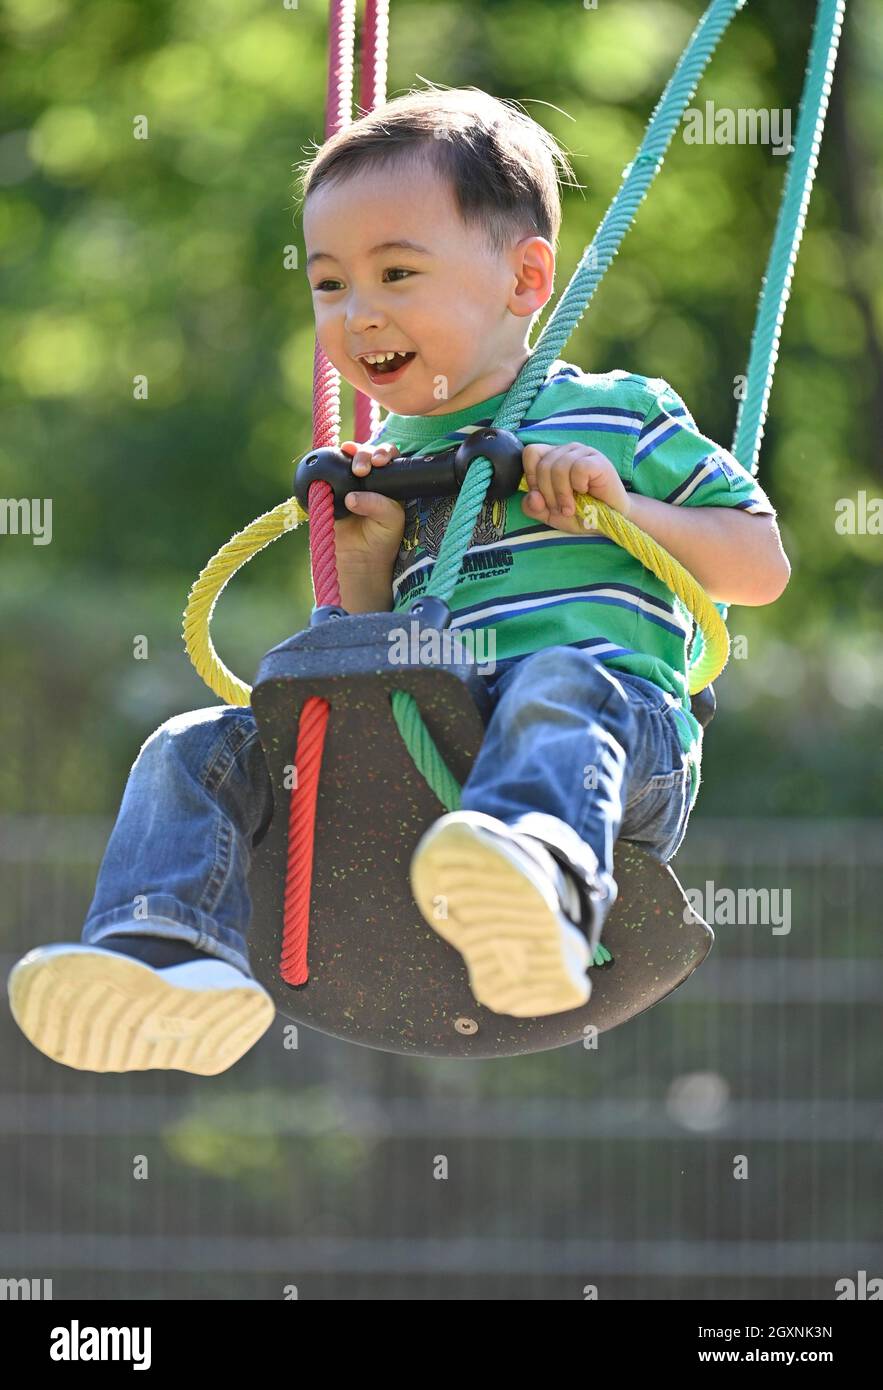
{"x":288,"y":515}
{"x":671,"y":572}
{"x":209,"y":586}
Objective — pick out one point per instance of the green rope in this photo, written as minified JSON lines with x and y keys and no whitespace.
{"x":776,"y":283}
{"x":789,"y":232}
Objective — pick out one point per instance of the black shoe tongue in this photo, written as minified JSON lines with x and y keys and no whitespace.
{"x":154,"y":950}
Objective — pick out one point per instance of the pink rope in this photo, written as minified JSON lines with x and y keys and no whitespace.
{"x":313,"y":723}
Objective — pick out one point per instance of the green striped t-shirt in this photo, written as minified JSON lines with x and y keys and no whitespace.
{"x":538,"y":587}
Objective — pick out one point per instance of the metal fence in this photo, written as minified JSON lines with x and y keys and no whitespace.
{"x":724,"y":1145}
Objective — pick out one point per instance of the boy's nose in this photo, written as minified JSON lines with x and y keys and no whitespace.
{"x":360,"y":317}
{"x":357,"y":326}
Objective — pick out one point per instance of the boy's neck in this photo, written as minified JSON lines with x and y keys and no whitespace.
{"x":485,"y":389}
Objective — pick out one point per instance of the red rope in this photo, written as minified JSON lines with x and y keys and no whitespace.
{"x":372,"y":91}
{"x":313,"y":722}
{"x":311,"y":732}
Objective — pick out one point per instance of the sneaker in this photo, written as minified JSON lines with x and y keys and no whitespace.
{"x":99,"y":1009}
{"x":511,"y":910}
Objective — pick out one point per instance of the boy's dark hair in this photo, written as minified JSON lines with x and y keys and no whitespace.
{"x":503,"y":168}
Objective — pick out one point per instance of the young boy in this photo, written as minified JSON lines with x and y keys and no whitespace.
{"x":430,"y":227}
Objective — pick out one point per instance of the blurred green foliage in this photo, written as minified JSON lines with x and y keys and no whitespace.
{"x":165,"y":257}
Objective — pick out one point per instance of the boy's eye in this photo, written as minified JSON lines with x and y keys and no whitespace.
{"x":332,"y":285}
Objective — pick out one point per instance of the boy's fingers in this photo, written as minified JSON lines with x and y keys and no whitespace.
{"x":544,"y":485}
{"x":562,"y":483}
{"x":383,"y":453}
{"x":553,"y":480}
{"x":375,"y":504}
{"x":531,"y":458}
{"x":373,"y":458}
{"x":531,"y":453}
{"x":380,"y":510}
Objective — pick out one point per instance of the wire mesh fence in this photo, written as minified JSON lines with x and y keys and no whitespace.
{"x":726,"y":1144}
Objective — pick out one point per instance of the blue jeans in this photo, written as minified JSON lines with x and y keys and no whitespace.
{"x":573,"y":752}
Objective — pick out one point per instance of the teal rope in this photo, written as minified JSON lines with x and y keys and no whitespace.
{"x":789,"y":232}
{"x":776,"y":284}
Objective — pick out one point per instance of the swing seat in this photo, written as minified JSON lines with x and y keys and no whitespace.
{"x":378,"y":973}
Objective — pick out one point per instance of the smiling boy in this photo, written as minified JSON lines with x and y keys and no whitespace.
{"x":431,"y":226}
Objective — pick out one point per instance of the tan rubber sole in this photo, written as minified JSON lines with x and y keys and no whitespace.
{"x":97,"y":1010}
{"x":506,"y":926}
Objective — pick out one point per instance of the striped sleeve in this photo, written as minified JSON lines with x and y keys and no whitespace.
{"x":674,"y":463}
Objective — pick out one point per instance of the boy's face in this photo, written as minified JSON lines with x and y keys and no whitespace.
{"x":463,"y":311}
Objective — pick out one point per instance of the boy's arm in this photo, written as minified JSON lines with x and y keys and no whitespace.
{"x":710,"y":512}
{"x":684,"y":490}
{"x":736,"y":556}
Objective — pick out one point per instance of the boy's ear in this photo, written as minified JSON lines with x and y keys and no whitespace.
{"x":534,"y":269}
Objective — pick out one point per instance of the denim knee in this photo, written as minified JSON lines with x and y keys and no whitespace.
{"x":199,"y":738}
{"x":215,"y":745}
{"x":203,"y":727}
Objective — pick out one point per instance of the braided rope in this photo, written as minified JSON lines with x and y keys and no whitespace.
{"x":776,"y":284}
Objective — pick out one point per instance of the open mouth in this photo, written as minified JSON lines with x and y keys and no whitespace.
{"x":385,"y":373}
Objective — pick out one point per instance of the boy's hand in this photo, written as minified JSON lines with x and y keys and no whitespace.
{"x":554,"y":472}
{"x":365,"y":458}
{"x":368,"y":541}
